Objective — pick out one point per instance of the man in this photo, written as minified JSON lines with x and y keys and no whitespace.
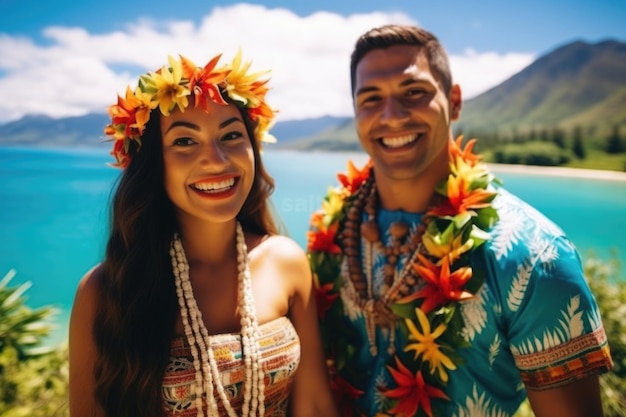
{"x":439,"y":292}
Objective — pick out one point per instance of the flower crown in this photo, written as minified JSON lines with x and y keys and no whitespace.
{"x":171,"y":86}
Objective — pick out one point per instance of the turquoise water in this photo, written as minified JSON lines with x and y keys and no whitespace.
{"x":54,"y":211}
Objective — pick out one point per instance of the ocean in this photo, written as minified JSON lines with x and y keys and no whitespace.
{"x":54,"y":211}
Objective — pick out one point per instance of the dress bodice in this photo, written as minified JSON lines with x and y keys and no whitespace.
{"x":280,"y":355}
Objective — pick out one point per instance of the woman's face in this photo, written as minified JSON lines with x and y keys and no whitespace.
{"x":208,"y":162}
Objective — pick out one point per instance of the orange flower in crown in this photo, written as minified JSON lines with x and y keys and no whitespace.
{"x":171,"y":86}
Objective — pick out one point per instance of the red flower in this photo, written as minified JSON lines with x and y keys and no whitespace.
{"x":204,"y":82}
{"x":442,"y":286}
{"x":456,"y":150}
{"x":411,"y":392}
{"x":120,"y":154}
{"x":461,"y":198}
{"x":345,"y":394}
{"x":353,"y":179}
{"x":324,"y":298}
{"x":322,"y":239}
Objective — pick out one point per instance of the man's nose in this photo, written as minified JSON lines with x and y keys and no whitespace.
{"x":394,"y":113}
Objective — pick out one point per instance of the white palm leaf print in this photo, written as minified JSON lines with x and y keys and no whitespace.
{"x":497,"y":309}
{"x":381,"y":383}
{"x":595,"y":321}
{"x":377,"y":276}
{"x":494,"y":349}
{"x":571,"y":326}
{"x":479,"y":406}
{"x":474,"y":314}
{"x":572,"y":321}
{"x":547,"y":253}
{"x":508,"y":230}
{"x":518,"y":286}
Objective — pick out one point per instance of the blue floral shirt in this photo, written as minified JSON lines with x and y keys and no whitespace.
{"x":533,"y":323}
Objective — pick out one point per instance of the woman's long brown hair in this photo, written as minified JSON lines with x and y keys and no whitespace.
{"x":137,"y":306}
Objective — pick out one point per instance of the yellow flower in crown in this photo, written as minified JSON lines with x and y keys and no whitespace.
{"x":171,"y":87}
{"x":167,"y":87}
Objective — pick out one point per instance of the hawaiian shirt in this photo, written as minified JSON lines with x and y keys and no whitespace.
{"x":533,"y":323}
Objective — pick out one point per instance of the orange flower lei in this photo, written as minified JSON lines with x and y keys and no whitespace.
{"x":429,"y":318}
{"x":170,"y":87}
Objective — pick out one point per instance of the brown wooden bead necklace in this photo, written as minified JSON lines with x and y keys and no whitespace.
{"x":377,"y":310}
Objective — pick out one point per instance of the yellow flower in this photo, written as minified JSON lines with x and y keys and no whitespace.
{"x":427,"y":347}
{"x":243,"y":87}
{"x":167,"y":87}
{"x":143,"y":105}
{"x":332,"y":204}
{"x":446,"y":244}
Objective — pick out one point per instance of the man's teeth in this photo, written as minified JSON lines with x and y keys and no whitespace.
{"x":215,"y":186}
{"x":398,"y":141}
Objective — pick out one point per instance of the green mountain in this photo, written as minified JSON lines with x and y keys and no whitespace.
{"x":577,"y":85}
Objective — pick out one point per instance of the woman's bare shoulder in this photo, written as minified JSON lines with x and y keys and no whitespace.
{"x":282,"y":247}
{"x":88,"y":286}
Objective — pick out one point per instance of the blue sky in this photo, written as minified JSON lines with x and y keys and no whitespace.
{"x":64,"y":58}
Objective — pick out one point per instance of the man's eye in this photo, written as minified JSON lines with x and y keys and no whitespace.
{"x":416,"y":92}
{"x":370,"y":101}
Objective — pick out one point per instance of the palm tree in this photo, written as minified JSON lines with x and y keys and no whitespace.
{"x":26,"y":382}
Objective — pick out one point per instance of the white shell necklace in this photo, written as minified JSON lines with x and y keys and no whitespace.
{"x":208,"y":377}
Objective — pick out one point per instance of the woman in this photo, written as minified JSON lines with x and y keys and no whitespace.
{"x":199,"y":307}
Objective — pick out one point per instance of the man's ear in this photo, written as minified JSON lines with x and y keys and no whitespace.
{"x":456,"y":102}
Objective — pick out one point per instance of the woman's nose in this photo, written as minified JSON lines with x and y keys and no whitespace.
{"x":213,"y":153}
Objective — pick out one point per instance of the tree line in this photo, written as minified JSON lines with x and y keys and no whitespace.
{"x":551,"y":146}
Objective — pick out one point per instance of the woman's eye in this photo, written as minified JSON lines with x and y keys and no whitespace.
{"x":183,"y":142}
{"x":232,"y":135}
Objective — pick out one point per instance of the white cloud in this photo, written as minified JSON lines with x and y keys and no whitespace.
{"x":78,"y":72}
{"x":478,"y":72}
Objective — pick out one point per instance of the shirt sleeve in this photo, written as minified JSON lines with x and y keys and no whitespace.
{"x":554,"y":326}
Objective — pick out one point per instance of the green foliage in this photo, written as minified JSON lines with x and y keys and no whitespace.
{"x":598,"y":159}
{"x":531,"y":153}
{"x":610,"y":293}
{"x":21,"y":328}
{"x":33,"y":378}
{"x":615,"y":143}
{"x":36,"y":387}
{"x":578,"y":147}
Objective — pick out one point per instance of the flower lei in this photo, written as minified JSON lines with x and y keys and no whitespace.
{"x":170,"y":86}
{"x":429,"y":321}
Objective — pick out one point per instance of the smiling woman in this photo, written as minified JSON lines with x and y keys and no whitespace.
{"x":180,"y":299}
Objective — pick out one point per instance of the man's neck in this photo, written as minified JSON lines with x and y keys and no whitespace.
{"x":413,"y":195}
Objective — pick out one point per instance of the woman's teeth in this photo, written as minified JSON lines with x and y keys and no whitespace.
{"x":215,"y":186}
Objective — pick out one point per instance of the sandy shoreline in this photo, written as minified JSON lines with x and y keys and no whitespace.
{"x":558,"y":171}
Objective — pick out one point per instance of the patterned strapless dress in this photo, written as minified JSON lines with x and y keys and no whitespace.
{"x":280,"y":355}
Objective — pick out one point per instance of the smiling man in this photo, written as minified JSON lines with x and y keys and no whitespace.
{"x":439,"y":292}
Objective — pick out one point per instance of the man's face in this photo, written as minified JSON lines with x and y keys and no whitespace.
{"x":402,"y":114}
